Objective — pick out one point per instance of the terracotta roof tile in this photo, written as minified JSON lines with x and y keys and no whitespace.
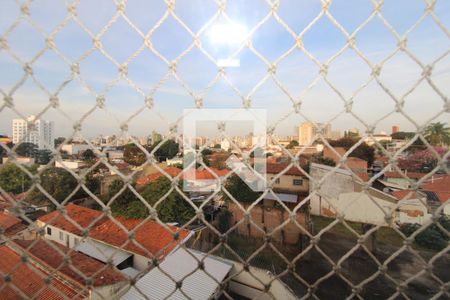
{"x":7,"y":221}
{"x":411,"y":175}
{"x":406,"y":195}
{"x":278,"y":168}
{"x":173,"y":172}
{"x":87,"y":266}
{"x":437,"y":184}
{"x":30,"y":281}
{"x":79,"y":214}
{"x":151,"y":236}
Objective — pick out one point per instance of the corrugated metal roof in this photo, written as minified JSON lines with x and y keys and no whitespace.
{"x":102,"y":252}
{"x":198,"y":285}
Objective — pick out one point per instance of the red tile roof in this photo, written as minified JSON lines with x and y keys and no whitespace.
{"x":151,"y":236}
{"x":406,"y":195}
{"x":10,"y":224}
{"x":278,"y":168}
{"x":29,"y":281}
{"x":83,"y":264}
{"x":437,"y":183}
{"x":173,"y":172}
{"x":81,"y":215}
{"x":7,"y":221}
{"x":411,"y":175}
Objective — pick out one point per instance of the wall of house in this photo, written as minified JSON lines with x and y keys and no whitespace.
{"x":268,"y":220}
{"x":339,"y":182}
{"x":55,"y":235}
{"x":140,"y":262}
{"x":113,"y":291}
{"x":286,"y":183}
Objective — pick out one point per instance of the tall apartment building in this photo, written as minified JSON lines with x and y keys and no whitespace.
{"x":42,"y":135}
{"x":307,"y":131}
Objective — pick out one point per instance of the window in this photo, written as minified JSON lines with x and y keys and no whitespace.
{"x":297,"y":182}
{"x":49,"y":231}
{"x":277,"y":181}
{"x":61,"y":236}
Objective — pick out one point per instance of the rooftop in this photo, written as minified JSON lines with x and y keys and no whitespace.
{"x":80,"y":215}
{"x":83,"y":264}
{"x":151,"y":236}
{"x":181,"y":265}
{"x":280,"y":167}
{"x":10,"y":224}
{"x":410,"y":175}
{"x":29,"y":281}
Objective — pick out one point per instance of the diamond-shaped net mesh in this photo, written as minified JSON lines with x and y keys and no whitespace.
{"x":324,"y":227}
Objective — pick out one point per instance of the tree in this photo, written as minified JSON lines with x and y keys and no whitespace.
{"x":403,"y":135}
{"x":292,"y":144}
{"x":58,"y":182}
{"x":422,"y":160}
{"x":13,"y":179}
{"x":174,"y":208}
{"x":88,"y":155}
{"x":363,"y":151}
{"x":240,"y":190}
{"x":134,"y":155}
{"x":324,"y":161}
{"x":437,"y":134}
{"x":167,"y":150}
{"x":217,"y":146}
{"x":43,"y":156}
{"x":58,"y":141}
{"x":26,"y":149}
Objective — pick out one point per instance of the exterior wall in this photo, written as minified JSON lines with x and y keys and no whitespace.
{"x":268,"y":220}
{"x":359,"y":207}
{"x":73,"y":165}
{"x":74,"y":149}
{"x":244,"y":284}
{"x":287,"y":183}
{"x":140,"y":262}
{"x":339,"y":182}
{"x":108,"y":292}
{"x":42,"y":136}
{"x":400,"y":181}
{"x":68,"y":239}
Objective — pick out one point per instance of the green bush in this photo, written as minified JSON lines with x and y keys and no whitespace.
{"x":432,"y":237}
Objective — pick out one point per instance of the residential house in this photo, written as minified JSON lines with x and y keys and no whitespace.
{"x":106,"y":282}
{"x":29,"y":282}
{"x":106,"y":240}
{"x":340,"y":194}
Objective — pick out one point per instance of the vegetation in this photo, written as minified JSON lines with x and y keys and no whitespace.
{"x":13,"y":179}
{"x":26,"y":149}
{"x":438,"y":134}
{"x":432,"y":237}
{"x":173,"y":209}
{"x":88,"y":155}
{"x":292,"y":144}
{"x":58,"y":141}
{"x":422,"y":160}
{"x":240,"y":190}
{"x":58,"y":182}
{"x":403,"y":135}
{"x":363,"y":151}
{"x":133,"y":155}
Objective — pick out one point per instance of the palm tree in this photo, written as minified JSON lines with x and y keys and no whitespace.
{"x":438,"y":134}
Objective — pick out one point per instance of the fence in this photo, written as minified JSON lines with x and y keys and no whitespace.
{"x":127,"y":67}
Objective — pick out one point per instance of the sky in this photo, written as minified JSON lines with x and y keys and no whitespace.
{"x":319,"y":103}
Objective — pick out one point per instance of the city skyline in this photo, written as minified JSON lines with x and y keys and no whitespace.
{"x":296,"y":71}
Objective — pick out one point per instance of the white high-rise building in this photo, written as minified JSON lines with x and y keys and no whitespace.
{"x":42,"y":135}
